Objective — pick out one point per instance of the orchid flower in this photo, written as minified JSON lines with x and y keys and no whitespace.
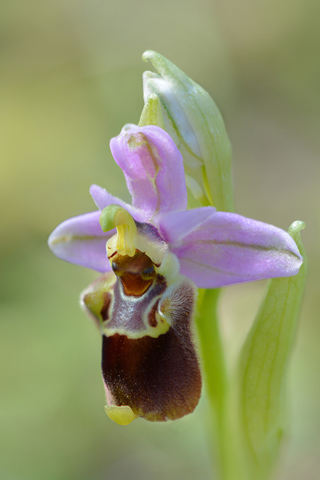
{"x":154,"y":253}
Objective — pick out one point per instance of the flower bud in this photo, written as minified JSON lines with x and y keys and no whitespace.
{"x":264,"y":368}
{"x":194,"y":122}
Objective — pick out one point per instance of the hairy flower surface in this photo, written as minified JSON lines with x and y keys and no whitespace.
{"x":153,"y":254}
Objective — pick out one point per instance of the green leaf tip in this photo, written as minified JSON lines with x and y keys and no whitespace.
{"x":149,"y":54}
{"x":294,"y":231}
{"x":160,"y":63}
{"x":151,"y":113}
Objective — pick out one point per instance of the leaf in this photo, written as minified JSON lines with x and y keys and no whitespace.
{"x":264,"y":366}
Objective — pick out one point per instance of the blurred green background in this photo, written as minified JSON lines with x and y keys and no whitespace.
{"x":70,"y":78}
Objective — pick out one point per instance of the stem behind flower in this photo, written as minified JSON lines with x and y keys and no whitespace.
{"x":217,"y":385}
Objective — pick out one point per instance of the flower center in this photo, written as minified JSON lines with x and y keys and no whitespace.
{"x":124,"y":242}
{"x":131,"y":236}
{"x":126,"y":233}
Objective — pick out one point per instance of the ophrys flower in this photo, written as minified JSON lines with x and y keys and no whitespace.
{"x":157,"y":253}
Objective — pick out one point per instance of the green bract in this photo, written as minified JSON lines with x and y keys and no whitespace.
{"x":263,"y":369}
{"x":194,"y":122}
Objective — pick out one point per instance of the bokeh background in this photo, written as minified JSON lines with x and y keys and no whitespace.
{"x":70,"y":78}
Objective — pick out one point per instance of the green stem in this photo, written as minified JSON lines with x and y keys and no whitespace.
{"x":217,"y":385}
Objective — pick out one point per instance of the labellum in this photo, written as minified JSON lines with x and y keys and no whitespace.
{"x":145,"y":311}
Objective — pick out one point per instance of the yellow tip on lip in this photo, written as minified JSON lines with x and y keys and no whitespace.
{"x":121,"y":415}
